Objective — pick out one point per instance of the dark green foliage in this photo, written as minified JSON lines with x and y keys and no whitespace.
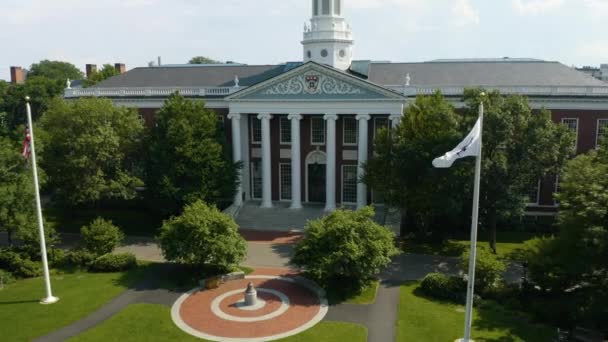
{"x":101,"y":236}
{"x":55,"y":70}
{"x":106,"y":72}
{"x":19,"y":265}
{"x":78,"y":258}
{"x":114,"y":263}
{"x":202,"y":236}
{"x":202,"y":60}
{"x":41,"y":91}
{"x":401,"y":167}
{"x":90,"y":149}
{"x":186,"y":158}
{"x":442,"y":286}
{"x":5,"y":278}
{"x":488,"y":269}
{"x":345,"y":247}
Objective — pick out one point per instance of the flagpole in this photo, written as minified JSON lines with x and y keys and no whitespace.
{"x":474,"y":224}
{"x":50,"y":299}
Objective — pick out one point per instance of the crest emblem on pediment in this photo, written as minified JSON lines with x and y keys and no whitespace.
{"x":312,"y":83}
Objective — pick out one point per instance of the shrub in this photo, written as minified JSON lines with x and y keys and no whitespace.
{"x":114,"y":263}
{"x":79,"y":258}
{"x":101,"y":236}
{"x":20,"y":266}
{"x":5,"y":278}
{"x":56,"y":257}
{"x":441,"y":286}
{"x":345,"y":247}
{"x":203,"y":236}
{"x":488,"y":269}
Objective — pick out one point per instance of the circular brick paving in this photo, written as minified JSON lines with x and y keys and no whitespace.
{"x":290,"y":307}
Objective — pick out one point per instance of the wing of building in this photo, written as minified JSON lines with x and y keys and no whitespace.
{"x":302,"y":129}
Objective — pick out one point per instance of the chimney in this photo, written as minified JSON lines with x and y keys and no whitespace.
{"x":91,"y":69}
{"x":120,"y":68}
{"x":17,"y":75}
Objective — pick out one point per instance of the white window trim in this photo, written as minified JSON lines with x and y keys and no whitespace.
{"x":388,"y":121}
{"x":342,"y":185}
{"x":537,"y":203}
{"x":253,"y":119}
{"x":597,"y":133}
{"x":344,"y":143}
{"x":281,"y":141}
{"x":252,"y":179}
{"x":281,"y":199}
{"x":577,"y":129}
{"x":312,"y":143}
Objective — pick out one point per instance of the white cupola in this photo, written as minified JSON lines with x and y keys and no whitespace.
{"x":328,"y":39}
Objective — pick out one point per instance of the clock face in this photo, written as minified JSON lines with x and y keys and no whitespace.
{"x":324,"y":53}
{"x":342,"y":53}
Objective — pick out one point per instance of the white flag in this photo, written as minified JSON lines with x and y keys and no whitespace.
{"x":469,"y":147}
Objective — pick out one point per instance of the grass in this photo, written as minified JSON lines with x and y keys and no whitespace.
{"x":134,"y":222}
{"x":147,"y":322}
{"x":423,"y":319}
{"x":367,"y":295}
{"x":507,"y":245}
{"x":22,"y":318}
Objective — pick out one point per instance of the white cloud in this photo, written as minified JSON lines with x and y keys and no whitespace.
{"x":464,"y":13}
{"x":595,"y":51}
{"x":527,"y":7}
{"x":597,"y":5}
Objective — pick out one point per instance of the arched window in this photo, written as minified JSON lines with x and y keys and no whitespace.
{"x":325,"y":7}
{"x":315,"y":7}
{"x":337,"y":8}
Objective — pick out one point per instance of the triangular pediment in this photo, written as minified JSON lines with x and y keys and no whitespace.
{"x":313,"y":81}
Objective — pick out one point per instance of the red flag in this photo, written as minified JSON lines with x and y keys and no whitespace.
{"x":26,"y":149}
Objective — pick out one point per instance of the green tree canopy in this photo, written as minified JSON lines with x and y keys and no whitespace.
{"x":401,"y":167}
{"x":106,"y":72}
{"x":203,"y":60}
{"x":41,"y":91}
{"x":55,"y":70}
{"x":187,"y":160}
{"x":203,"y":236}
{"x":519,"y":148}
{"x":90,"y":150}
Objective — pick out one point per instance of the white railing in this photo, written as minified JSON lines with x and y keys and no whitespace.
{"x":509,"y":90}
{"x":150,"y":92}
{"x":344,"y":35}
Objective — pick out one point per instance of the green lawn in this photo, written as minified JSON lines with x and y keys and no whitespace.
{"x":135,"y":222}
{"x":147,"y":322}
{"x":422,"y":319}
{"x":507,"y":244}
{"x":22,"y":318}
{"x":365,"y":296}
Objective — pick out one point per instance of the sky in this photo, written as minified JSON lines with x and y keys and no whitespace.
{"x":135,"y":32}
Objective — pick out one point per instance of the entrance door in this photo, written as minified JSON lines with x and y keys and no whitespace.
{"x":316,"y":183}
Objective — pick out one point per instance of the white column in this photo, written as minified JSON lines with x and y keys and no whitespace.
{"x":330,"y":188}
{"x":235,"y":118}
{"x":266,"y":165}
{"x":362,"y":159}
{"x":395,"y":119}
{"x":296,"y":163}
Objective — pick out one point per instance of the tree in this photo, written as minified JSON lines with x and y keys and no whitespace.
{"x":202,"y":236}
{"x":90,"y":150}
{"x":488,"y":269}
{"x":55,"y":70}
{"x":402,"y":171}
{"x":106,"y":72}
{"x":186,"y":158}
{"x":203,"y":60}
{"x":345,"y":248}
{"x":101,"y":236}
{"x":519,"y":148}
{"x":41,"y":91}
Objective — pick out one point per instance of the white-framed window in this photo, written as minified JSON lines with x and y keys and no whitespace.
{"x":572,"y":124}
{"x":317,"y":131}
{"x":349,"y":183}
{"x":349,"y":132}
{"x":325,"y":7}
{"x":256,"y":130}
{"x":337,"y":8}
{"x":533,"y":194}
{"x":602,"y":131}
{"x":285,"y":181}
{"x":285,"y":131}
{"x":315,"y":7}
{"x":379,"y":124}
{"x":256,"y":179}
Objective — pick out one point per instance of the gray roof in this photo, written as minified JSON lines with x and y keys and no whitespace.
{"x":480,"y":73}
{"x":221,"y":75}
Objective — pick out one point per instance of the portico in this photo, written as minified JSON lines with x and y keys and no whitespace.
{"x":305,"y":145}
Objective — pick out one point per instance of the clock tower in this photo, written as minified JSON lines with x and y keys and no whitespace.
{"x":328,"y":39}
